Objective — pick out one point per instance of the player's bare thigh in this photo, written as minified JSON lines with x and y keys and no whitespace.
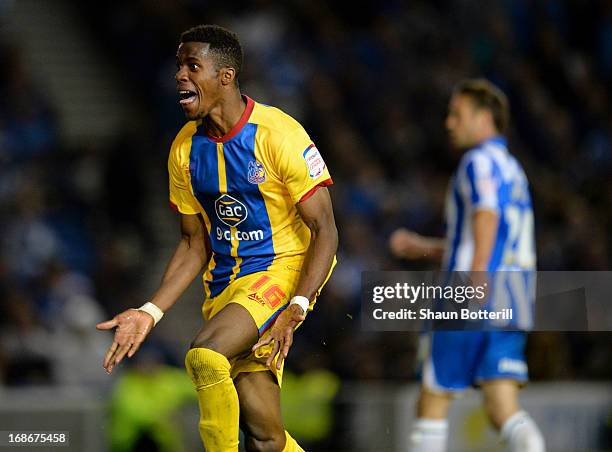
{"x":232,"y":332}
{"x":500,"y":399}
{"x":260,"y":412}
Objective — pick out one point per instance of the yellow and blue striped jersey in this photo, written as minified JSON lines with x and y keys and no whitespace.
{"x":246,"y":185}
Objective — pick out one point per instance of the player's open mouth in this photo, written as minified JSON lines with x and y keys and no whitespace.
{"x":187,"y":96}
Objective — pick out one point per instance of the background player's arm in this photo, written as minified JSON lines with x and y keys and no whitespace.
{"x":484,"y":229}
{"x":190,"y":257}
{"x":407,"y":244}
{"x":484,"y":199}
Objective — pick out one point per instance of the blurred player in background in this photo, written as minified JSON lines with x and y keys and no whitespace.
{"x":249,"y":185}
{"x":489,"y":222}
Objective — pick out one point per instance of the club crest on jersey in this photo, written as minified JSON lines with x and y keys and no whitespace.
{"x":230,"y":211}
{"x":257,"y":173}
{"x":314,"y":161}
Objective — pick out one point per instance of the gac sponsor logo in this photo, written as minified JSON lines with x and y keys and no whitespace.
{"x":230,"y":211}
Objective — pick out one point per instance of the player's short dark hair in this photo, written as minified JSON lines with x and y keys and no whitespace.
{"x":486,"y":95}
{"x":224,"y":44}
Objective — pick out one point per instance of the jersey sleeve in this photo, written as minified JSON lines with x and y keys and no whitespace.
{"x":483,"y":182}
{"x":181,"y":197}
{"x":301,"y":166}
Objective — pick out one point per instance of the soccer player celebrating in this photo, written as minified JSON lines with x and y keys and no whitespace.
{"x":489,"y":223}
{"x":249,"y":185}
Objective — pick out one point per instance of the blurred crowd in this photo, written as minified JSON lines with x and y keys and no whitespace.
{"x":370,"y":83}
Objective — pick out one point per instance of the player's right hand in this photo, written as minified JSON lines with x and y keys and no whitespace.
{"x":132,"y":328}
{"x":407,"y":244}
{"x":281,"y":334}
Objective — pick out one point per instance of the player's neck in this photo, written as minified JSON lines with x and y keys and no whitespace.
{"x":225,"y":115}
{"x":486,"y":136}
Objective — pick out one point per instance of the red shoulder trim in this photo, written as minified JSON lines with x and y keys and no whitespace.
{"x":312,"y":191}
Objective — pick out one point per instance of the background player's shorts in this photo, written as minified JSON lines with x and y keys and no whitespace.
{"x":456,"y":360}
{"x":265,"y":295}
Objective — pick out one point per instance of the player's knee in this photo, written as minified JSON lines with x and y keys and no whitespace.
{"x":271,"y":442}
{"x":206,"y":366}
{"x":204,"y":342}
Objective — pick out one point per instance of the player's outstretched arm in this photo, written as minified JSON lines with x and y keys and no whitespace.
{"x":133,"y":325}
{"x":318,"y":214}
{"x":407,"y":244}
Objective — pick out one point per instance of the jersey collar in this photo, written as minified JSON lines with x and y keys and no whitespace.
{"x":499,"y":140}
{"x":250,"y":103}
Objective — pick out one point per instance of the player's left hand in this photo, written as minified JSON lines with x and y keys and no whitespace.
{"x":282,"y":334}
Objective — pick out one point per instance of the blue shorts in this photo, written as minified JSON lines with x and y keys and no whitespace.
{"x":455,"y":360}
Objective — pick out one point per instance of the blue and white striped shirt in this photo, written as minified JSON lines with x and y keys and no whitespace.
{"x":490,"y":178}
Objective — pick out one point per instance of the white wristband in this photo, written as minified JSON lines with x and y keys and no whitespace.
{"x":301,"y":301}
{"x":153,"y":310}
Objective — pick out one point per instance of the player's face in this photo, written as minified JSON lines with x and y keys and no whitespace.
{"x":463,"y":122}
{"x":198,"y":81}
